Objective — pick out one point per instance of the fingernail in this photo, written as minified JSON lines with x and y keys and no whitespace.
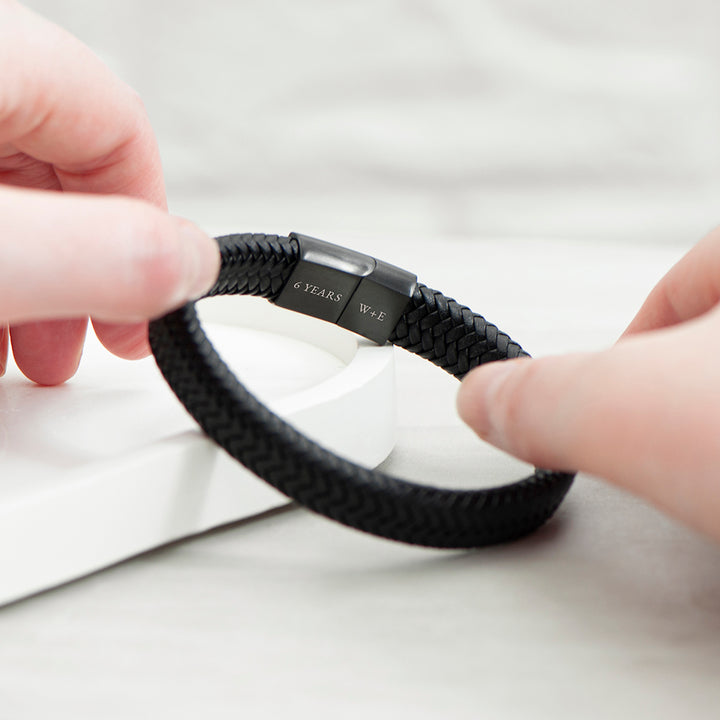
{"x":477,"y":398}
{"x":202,"y":259}
{"x":3,"y":348}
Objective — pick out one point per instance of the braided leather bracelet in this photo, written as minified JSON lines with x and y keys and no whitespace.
{"x":383,"y":303}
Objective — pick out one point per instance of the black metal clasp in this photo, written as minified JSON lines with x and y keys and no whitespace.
{"x":347,"y":288}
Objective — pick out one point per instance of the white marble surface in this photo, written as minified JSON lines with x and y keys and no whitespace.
{"x":110,"y":464}
{"x":610,"y":611}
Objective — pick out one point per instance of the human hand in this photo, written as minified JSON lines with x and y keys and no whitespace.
{"x":104,"y":247}
{"x":644,"y":414}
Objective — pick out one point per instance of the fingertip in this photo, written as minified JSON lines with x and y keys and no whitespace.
{"x":523,"y":407}
{"x":129,"y":342}
{"x":48,"y":353}
{"x":118,"y":259}
{"x":476,"y":398}
{"x":163,"y":263}
{"x":202,"y":259}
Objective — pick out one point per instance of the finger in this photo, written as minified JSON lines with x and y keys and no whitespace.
{"x":3,"y":348}
{"x":689,"y":289}
{"x":61,"y":105}
{"x":116,"y":259}
{"x":633,"y":414}
{"x":48,"y":352}
{"x":129,"y":342}
{"x":80,"y":125}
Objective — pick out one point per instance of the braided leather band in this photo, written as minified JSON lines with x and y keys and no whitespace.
{"x":432,"y":326}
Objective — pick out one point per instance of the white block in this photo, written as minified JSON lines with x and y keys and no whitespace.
{"x":110,"y":464}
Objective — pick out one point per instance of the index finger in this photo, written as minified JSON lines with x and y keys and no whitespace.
{"x":60,"y":104}
{"x":689,"y":289}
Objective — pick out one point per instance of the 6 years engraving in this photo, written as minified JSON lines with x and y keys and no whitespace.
{"x":311,"y":289}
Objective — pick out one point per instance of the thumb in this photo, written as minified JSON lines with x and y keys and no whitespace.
{"x":118,"y":259}
{"x":65,"y":256}
{"x":644,"y":414}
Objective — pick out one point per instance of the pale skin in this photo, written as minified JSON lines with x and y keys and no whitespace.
{"x":84,"y":229}
{"x":644,"y":414}
{"x":84,"y":232}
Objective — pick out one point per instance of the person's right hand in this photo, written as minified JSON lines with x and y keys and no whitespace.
{"x":644,"y":414}
{"x":83,"y":222}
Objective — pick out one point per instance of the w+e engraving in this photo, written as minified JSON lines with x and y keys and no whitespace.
{"x":378,"y":315}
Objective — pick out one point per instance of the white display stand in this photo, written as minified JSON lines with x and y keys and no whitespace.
{"x":110,"y":464}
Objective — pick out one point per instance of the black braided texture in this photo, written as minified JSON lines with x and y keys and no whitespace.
{"x":254,"y":264}
{"x":450,"y":335}
{"x":434,"y":327}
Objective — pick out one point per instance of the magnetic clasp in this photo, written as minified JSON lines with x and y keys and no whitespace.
{"x":348,"y":288}
{"x":324,"y":278}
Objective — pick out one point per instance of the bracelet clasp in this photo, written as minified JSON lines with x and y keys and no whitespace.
{"x":346,"y":287}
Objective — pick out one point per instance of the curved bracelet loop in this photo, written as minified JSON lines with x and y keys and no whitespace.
{"x":430,"y":325}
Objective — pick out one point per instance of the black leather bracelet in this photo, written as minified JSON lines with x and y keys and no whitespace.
{"x":383,"y":303}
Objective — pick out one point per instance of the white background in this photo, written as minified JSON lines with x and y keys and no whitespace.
{"x":427,"y":117}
